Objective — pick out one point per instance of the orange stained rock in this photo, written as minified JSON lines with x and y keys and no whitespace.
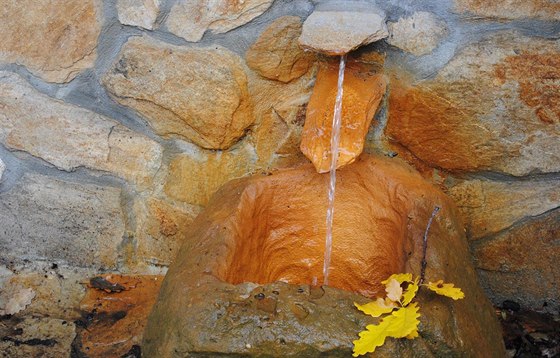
{"x":363,"y":90}
{"x":117,"y":319}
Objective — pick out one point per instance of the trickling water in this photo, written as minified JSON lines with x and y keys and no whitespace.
{"x":335,"y":136}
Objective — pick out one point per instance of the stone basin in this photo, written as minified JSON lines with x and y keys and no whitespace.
{"x":241,"y":284}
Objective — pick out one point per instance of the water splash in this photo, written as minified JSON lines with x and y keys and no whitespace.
{"x":335,"y":137}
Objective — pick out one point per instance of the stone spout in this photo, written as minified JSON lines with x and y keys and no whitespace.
{"x":363,"y":89}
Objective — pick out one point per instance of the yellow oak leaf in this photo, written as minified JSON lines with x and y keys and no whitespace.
{"x":400,"y":277}
{"x":401,"y":323}
{"x":376,"y":308}
{"x":410,"y":292}
{"x":412,"y":334}
{"x":394,"y":290}
{"x":446,"y":289}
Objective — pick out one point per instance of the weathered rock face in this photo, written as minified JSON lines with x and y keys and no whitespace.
{"x":141,"y":13}
{"x":522,"y":264}
{"x":493,"y":107}
{"x":56,"y":334}
{"x":198,"y":94}
{"x":191,"y":18}
{"x":45,"y":218}
{"x":510,"y":9}
{"x":418,"y":34}
{"x":339,"y":32}
{"x":276,"y":53}
{"x":491,"y":206}
{"x":271,"y":228}
{"x":193,"y":180}
{"x":68,"y":136}
{"x":53,"y":40}
{"x":161,"y":228}
{"x":363,"y":90}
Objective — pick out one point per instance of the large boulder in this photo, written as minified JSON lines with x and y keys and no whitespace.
{"x":241,"y":282}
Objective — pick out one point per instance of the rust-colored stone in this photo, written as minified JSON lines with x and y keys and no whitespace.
{"x":511,"y":9}
{"x":269,"y":229}
{"x":363,"y":89}
{"x":117,"y":319}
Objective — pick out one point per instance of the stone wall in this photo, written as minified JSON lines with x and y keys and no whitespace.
{"x":120,"y":118}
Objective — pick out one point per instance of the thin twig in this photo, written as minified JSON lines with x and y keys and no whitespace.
{"x":425,"y":245}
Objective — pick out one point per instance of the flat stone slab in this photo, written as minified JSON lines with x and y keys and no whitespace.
{"x":339,"y":32}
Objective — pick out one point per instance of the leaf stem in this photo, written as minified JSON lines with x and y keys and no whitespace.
{"x":425,"y":245}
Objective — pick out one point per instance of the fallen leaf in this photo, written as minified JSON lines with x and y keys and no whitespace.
{"x":446,"y":289}
{"x":377,"y":308}
{"x":401,"y":323}
{"x":394,"y":290}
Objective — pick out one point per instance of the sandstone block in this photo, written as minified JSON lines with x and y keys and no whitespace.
{"x":489,"y":207}
{"x":54,"y":40}
{"x":190,"y":19}
{"x":510,"y":9}
{"x":276,"y":53}
{"x":521,"y":264}
{"x":418,"y":34}
{"x":48,"y":219}
{"x":198,"y":94}
{"x":491,"y":108}
{"x":141,"y":13}
{"x":69,"y":137}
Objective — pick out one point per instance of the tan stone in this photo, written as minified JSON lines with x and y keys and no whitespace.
{"x":161,"y":229}
{"x":190,"y":19}
{"x":279,"y":117}
{"x":54,"y":40}
{"x":199,"y":94}
{"x":418,"y":34}
{"x":339,"y":32}
{"x":491,"y":108}
{"x":511,"y":9}
{"x":70,"y":137}
{"x":194,"y":178}
{"x":276,"y":53}
{"x":489,"y":207}
{"x":521,"y":264}
{"x":363,"y":90}
{"x":252,"y":254}
{"x":141,"y":13}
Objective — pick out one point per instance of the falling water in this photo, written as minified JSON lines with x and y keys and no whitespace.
{"x":335,"y":136}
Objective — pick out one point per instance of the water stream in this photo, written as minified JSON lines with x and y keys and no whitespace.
{"x":335,"y":137}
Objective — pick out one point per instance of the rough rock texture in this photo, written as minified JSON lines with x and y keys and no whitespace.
{"x":54,"y":40}
{"x":36,"y":337}
{"x":161,"y":228}
{"x":117,"y":318}
{"x":492,"y":206}
{"x":510,"y":9}
{"x":2,"y":168}
{"x":193,"y":179}
{"x":190,"y":19}
{"x":492,"y":107}
{"x":142,"y":13}
{"x":199,"y":94}
{"x":276,"y":53}
{"x":48,"y":219}
{"x":70,"y":137}
{"x":418,"y":34}
{"x":363,"y":89}
{"x":522,"y":264}
{"x":268,"y":228}
{"x":279,"y":117}
{"x":339,"y":32}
